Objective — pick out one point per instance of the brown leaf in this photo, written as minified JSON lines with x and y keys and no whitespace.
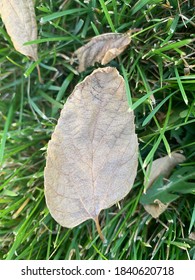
{"x":192,"y":235}
{"x":92,"y":155}
{"x":163,"y":166}
{"x":20,"y":22}
{"x":102,"y":48}
{"x":156,"y":208}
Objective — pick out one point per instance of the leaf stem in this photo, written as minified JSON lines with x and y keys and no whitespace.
{"x":39,"y":74}
{"x":99,"y":229}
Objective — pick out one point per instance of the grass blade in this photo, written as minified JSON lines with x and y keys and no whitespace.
{"x":62,"y":13}
{"x":155,"y":110}
{"x":107,"y":15}
{"x":181,"y":86}
{"x":6,"y":128}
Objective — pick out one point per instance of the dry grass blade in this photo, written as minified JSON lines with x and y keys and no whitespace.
{"x":20,"y":22}
{"x":92,"y":156}
{"x":102,"y":48}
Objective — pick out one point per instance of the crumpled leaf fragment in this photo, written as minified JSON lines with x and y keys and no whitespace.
{"x":156,"y":209}
{"x":102,"y":48}
{"x":162,"y":166}
{"x":20,"y":22}
{"x":92,"y":155}
{"x":192,"y":235}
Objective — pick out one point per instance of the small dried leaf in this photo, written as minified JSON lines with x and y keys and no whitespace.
{"x":192,"y":235}
{"x":92,"y":155}
{"x":102,"y":48}
{"x":156,"y":208}
{"x":163,"y":166}
{"x":20,"y":22}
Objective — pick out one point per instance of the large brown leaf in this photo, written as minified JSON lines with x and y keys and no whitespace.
{"x":92,"y":155}
{"x":20,"y":22}
{"x":102,"y":48}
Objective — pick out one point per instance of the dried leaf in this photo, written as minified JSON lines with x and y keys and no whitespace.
{"x":156,"y":209}
{"x":20,"y":22}
{"x":163,"y":166}
{"x":179,"y":183}
{"x":102,"y":48}
{"x":92,"y":155}
{"x":192,"y":235}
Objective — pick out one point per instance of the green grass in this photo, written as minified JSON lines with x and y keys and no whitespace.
{"x":162,"y":97}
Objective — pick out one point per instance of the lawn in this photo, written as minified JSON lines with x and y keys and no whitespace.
{"x":158,"y":68}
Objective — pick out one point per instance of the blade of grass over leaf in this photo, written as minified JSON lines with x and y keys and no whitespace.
{"x":180,"y":182}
